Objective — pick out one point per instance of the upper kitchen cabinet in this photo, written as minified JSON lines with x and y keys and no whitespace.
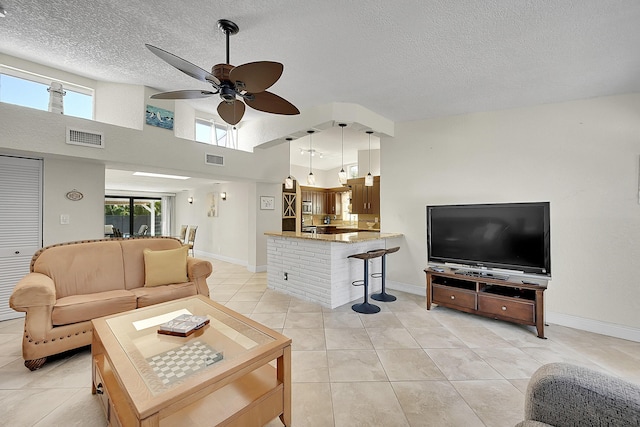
{"x":323,"y":201}
{"x":365,"y":200}
{"x":334,"y":201}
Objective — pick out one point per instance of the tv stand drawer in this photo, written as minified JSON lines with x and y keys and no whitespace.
{"x":523,"y":311}
{"x":448,"y":296}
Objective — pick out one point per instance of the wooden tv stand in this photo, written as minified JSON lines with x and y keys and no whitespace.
{"x":509,"y":299}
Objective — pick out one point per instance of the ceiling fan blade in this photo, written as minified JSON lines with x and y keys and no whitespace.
{"x":185,"y":66}
{"x":271,"y":103}
{"x":256,"y":76}
{"x":231,"y":112}
{"x":183,"y":94}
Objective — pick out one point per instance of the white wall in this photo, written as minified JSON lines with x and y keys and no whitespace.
{"x":363,"y":163}
{"x":120,"y":104}
{"x":237,"y":233}
{"x":581,"y":156}
{"x":86,"y":216}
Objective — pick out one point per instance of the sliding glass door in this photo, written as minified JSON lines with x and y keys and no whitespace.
{"x":134,"y":216}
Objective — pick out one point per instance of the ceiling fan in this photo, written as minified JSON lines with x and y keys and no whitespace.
{"x":248,"y":82}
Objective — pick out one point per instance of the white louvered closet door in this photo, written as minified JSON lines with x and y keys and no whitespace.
{"x":20,"y":223}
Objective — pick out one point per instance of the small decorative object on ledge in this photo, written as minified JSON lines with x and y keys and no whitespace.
{"x":74,"y":195}
{"x":267,"y":202}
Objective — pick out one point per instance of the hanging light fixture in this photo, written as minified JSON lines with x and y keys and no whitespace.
{"x":311,"y":180}
{"x":342,"y":175}
{"x":288,"y":181}
{"x":368,"y":180}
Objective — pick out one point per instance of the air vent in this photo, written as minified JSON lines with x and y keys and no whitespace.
{"x":212,"y":159}
{"x":85,"y":138}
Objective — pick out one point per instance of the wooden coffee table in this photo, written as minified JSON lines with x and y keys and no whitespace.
{"x":232,"y":372}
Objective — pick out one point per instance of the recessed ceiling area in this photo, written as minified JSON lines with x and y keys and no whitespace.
{"x":329,"y":143}
{"x":123,"y":180}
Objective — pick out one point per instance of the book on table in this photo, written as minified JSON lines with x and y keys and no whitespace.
{"x":183,"y":325}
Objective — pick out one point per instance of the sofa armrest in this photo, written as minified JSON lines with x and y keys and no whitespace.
{"x":562,"y":394}
{"x":33,"y":290}
{"x":198,"y":270}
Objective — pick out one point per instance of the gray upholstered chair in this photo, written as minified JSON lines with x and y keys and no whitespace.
{"x":561,"y":394}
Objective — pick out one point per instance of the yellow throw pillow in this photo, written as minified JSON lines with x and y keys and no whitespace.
{"x":165,"y":267}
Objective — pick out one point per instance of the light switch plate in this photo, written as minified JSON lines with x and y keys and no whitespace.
{"x":64,"y":219}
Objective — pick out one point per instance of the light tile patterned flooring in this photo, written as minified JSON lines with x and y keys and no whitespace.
{"x":404,"y":366}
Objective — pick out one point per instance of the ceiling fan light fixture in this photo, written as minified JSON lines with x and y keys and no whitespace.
{"x":236,"y":86}
{"x":368,"y":180}
{"x":342,"y":175}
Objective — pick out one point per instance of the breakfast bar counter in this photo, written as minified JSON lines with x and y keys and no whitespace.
{"x":316,"y":267}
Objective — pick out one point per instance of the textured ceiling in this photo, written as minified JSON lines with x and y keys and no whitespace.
{"x":403,"y":59}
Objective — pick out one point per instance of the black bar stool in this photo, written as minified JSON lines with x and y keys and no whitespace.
{"x":383,"y":296}
{"x":365,"y":307}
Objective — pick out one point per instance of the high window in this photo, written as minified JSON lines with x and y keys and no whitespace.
{"x":214,"y":134}
{"x":31,"y":90}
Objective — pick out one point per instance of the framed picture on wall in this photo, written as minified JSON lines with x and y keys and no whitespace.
{"x":267,"y":202}
{"x":159,"y":117}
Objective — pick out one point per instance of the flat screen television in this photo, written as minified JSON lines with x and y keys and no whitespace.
{"x":508,"y":236}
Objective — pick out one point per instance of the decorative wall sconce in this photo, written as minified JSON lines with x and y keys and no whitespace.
{"x":190,"y":200}
{"x":223,"y":195}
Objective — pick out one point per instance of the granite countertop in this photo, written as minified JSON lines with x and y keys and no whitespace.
{"x":355,"y":237}
{"x":344,"y":227}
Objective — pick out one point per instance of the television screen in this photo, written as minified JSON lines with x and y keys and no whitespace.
{"x":511,"y":236}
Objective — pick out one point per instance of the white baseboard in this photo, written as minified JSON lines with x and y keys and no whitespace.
{"x":405,"y":287}
{"x":590,"y":325}
{"x":251,"y":268}
{"x":596,"y":326}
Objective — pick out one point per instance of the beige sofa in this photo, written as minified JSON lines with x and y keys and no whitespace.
{"x":72,"y":283}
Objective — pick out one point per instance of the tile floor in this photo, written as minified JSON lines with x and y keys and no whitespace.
{"x":404,"y":366}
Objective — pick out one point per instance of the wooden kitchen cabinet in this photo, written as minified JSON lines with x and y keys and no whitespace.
{"x":365,"y":200}
{"x":324,"y":201}
{"x":317,"y":197}
{"x":334,"y":202}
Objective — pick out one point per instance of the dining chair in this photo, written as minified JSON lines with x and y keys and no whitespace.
{"x":183,"y":233}
{"x":192,"y":238}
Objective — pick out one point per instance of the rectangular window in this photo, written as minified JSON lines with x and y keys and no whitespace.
{"x":203,"y":131}
{"x":31,"y":90}
{"x":212,"y":133}
{"x":134,"y":216}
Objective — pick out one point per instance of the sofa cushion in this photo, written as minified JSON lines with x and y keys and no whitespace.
{"x":78,"y":308}
{"x":165,"y":267}
{"x":157,"y":294}
{"x":133,"y":257}
{"x":83,"y":268}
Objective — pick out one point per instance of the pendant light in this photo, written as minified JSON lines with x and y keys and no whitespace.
{"x":368,"y":180}
{"x":311,"y":180}
{"x":288,"y":181}
{"x":342,"y":175}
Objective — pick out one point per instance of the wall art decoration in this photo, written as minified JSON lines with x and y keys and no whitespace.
{"x":159,"y":117}
{"x":267,"y":202}
{"x":212,"y":204}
